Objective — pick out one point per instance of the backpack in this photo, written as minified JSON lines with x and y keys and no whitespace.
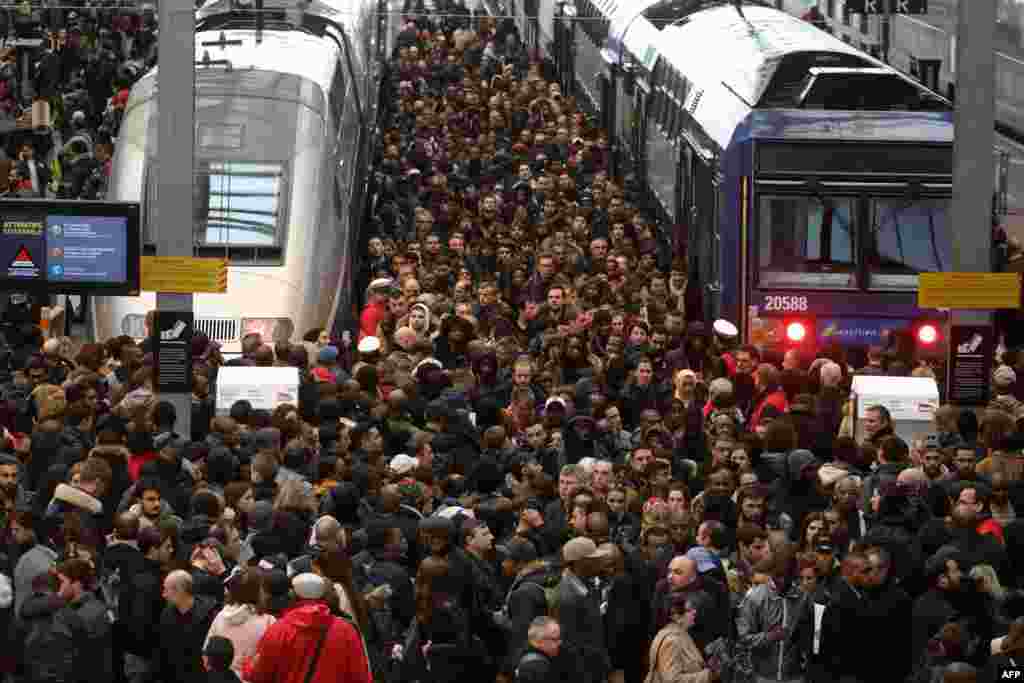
{"x":549,"y":588}
{"x":110,"y":593}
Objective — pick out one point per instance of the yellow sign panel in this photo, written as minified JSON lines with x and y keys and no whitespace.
{"x":979,"y":291}
{"x":184,"y":274}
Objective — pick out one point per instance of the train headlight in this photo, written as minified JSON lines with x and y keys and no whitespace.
{"x":796,"y":332}
{"x":927,"y":334}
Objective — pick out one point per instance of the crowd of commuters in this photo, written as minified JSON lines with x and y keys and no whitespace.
{"x":65,"y":72}
{"x":536,"y":461}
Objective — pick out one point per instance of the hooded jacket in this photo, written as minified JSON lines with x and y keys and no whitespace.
{"x":243,"y":627}
{"x":286,"y":650}
{"x":70,"y":500}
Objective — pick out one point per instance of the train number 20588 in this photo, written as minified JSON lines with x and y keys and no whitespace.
{"x":786,"y":304}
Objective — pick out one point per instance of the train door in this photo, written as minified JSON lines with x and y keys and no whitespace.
{"x":704,"y":235}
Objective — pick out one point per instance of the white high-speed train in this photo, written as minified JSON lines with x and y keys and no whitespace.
{"x":285,"y":108}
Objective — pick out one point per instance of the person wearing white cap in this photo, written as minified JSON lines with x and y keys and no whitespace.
{"x":579,"y":611}
{"x":308,"y":644}
{"x":376,"y":310}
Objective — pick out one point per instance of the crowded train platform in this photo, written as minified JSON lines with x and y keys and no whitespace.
{"x":535,"y":460}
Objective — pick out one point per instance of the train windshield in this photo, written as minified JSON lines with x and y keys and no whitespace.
{"x":239,"y":204}
{"x":908,"y":237}
{"x":806,"y":242}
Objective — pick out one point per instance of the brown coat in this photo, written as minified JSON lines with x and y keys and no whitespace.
{"x":675,"y":658}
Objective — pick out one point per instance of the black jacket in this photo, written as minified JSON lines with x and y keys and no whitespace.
{"x":179,"y":655}
{"x":141,"y":607}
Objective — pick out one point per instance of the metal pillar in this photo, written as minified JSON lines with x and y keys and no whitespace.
{"x":973,"y":177}
{"x":176,"y":145}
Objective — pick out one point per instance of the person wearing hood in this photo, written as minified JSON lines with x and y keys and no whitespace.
{"x":81,"y":500}
{"x":184,"y":624}
{"x":240,"y":621}
{"x":308,"y":643}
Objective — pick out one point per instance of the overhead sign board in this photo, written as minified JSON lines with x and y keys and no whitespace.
{"x":969,"y":291}
{"x":70,"y":247}
{"x":894,"y":6}
{"x":184,"y":274}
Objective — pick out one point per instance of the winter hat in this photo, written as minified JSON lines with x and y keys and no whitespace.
{"x":309,"y":586}
{"x":403,"y":464}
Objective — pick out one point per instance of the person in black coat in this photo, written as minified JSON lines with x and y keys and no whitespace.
{"x":142,"y":603}
{"x":184,"y":624}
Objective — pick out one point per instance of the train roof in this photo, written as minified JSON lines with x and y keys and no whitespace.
{"x":259,"y":65}
{"x":720,"y":63}
{"x":755,"y":43}
{"x":341,"y":12}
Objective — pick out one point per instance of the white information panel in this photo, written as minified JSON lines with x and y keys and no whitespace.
{"x":264,"y":388}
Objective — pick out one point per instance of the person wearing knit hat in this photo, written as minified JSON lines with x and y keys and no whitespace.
{"x":403,"y":464}
{"x":309,"y":586}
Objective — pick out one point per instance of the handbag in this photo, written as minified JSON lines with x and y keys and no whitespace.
{"x":41,"y":115}
{"x":316,"y":654}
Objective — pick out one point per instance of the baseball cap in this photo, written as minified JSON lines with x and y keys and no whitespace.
{"x":583,"y":549}
{"x":369,"y":345}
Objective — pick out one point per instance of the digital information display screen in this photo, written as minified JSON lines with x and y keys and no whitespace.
{"x":69,"y":246}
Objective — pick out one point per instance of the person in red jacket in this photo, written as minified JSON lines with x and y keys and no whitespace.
{"x":376,"y":307}
{"x":288,"y":649}
{"x":769,"y":393}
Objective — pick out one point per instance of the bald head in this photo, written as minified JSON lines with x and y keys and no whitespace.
{"x":327,"y":530}
{"x":682,"y":571}
{"x":831,"y":374}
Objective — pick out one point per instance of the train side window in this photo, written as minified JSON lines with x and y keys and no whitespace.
{"x":806,"y":241}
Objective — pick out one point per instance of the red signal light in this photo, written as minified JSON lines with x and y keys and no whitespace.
{"x":927,"y":334}
{"x":796,"y":332}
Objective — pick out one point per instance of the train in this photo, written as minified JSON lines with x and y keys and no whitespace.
{"x":807,"y":182}
{"x":286,"y":100}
